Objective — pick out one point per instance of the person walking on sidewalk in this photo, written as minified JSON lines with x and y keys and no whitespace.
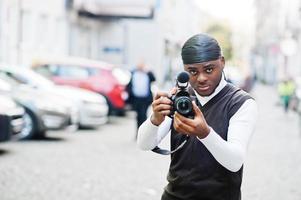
{"x":139,"y":90}
{"x":286,"y":90}
{"x":209,"y":165}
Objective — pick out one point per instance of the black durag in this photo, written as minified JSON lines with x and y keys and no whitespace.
{"x":200,"y":48}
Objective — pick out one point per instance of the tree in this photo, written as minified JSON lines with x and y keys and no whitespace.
{"x":223,"y":35}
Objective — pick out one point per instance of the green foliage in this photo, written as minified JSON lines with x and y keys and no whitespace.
{"x":222,"y":33}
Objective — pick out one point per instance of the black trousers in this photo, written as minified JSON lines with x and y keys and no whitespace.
{"x":140,"y":105}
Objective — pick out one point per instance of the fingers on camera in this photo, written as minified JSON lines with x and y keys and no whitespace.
{"x":165,"y":112}
{"x":173,"y":91}
{"x":160,"y":94}
{"x":165,"y":100}
{"x":162,"y":100}
{"x":164,"y":107}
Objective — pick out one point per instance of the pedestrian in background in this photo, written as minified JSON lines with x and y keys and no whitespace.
{"x":139,"y":90}
{"x":208,"y":151}
{"x":286,"y":90}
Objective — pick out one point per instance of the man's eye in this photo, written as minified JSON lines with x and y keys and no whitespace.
{"x":209,"y":70}
{"x":192,"y":72}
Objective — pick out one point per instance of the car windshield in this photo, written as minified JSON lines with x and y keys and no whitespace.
{"x":32,"y":78}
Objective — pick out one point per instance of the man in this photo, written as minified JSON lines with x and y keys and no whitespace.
{"x":139,"y":89}
{"x":209,"y":164}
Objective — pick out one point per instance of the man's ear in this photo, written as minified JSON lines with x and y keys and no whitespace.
{"x":223,"y":62}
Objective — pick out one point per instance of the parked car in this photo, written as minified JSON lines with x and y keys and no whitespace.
{"x":92,"y":107}
{"x":43,"y":111}
{"x":87,"y":74}
{"x":11,"y":118}
{"x":122,"y":74}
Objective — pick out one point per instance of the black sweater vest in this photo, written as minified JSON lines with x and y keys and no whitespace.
{"x":194,"y":174}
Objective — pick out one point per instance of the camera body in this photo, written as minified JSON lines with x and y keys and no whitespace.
{"x":181,"y":101}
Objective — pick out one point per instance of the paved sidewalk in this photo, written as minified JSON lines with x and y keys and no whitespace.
{"x":105,"y":164}
{"x":272,"y":169}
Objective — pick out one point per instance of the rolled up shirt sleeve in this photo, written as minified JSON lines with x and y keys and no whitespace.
{"x":231,"y":153}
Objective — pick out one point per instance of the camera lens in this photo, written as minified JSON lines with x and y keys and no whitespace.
{"x":183,"y":105}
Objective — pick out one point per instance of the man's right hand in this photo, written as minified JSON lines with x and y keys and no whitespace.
{"x":161,"y":107}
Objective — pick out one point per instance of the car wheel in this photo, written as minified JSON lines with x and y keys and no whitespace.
{"x":29,"y":127}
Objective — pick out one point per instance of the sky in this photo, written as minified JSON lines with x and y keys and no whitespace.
{"x":236,"y":11}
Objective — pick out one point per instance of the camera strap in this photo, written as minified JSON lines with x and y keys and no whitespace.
{"x":167,"y":152}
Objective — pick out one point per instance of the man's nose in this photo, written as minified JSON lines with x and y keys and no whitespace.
{"x":202,"y":77}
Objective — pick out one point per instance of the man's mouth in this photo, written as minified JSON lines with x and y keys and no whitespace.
{"x":203,"y":88}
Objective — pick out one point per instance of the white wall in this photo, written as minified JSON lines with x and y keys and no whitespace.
{"x":9,"y":27}
{"x":145,"y":41}
{"x":44,"y":29}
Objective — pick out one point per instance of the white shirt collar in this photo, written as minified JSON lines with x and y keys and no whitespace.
{"x":204,"y":99}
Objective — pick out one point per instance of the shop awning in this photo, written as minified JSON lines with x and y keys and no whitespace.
{"x":116,"y":8}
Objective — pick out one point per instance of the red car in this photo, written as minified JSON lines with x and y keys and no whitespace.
{"x":88,"y":74}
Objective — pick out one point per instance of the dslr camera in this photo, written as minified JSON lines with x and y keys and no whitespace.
{"x":181,"y":101}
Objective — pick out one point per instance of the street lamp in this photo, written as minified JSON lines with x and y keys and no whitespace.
{"x":288,"y":48}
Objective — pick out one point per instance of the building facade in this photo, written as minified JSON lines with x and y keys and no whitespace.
{"x":276,"y":52}
{"x":119,"y":32}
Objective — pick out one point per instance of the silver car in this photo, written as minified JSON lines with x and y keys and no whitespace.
{"x":43,"y":111}
{"x":92,"y":107}
{"x":11,"y":118}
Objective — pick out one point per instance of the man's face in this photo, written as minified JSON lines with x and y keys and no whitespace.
{"x":205,"y":76}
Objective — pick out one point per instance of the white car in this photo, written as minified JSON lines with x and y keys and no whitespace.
{"x":43,"y":110}
{"x":92,"y":107}
{"x":11,"y":118}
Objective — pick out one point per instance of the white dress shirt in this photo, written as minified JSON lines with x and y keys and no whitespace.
{"x":231,"y":153}
{"x":140,"y":84}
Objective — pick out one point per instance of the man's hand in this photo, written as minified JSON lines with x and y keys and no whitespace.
{"x":161,"y":107}
{"x":197,"y":126}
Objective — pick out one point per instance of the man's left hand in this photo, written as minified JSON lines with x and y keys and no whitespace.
{"x":197,"y":126}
